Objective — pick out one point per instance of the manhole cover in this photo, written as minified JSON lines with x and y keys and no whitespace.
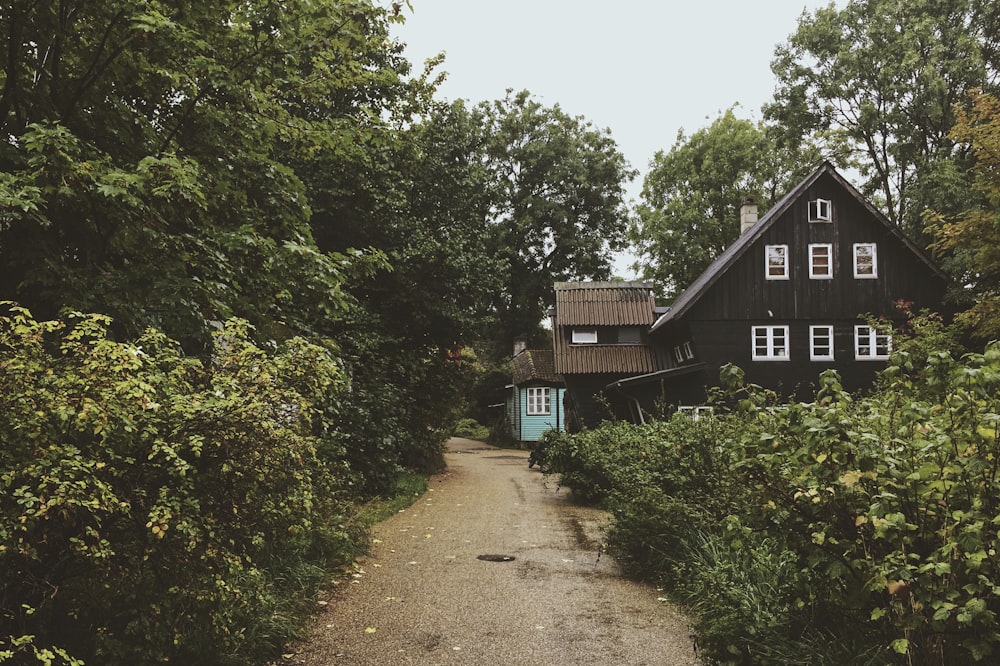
{"x":496,"y":558}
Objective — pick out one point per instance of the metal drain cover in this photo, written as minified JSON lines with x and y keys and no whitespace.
{"x":496,"y":558}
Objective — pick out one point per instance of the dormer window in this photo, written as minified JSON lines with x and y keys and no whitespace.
{"x":584,"y":336}
{"x":819,"y":210}
{"x":777,"y":262}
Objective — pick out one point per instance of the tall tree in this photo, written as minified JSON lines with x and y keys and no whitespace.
{"x":140,"y":141}
{"x":690,"y":208}
{"x":878,"y":82}
{"x":558,"y":204}
{"x":972,"y":238}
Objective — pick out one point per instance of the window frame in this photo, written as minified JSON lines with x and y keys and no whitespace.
{"x":678,"y":354}
{"x":874,"y":261}
{"x":813,"y":354}
{"x":688,"y":351}
{"x":577,"y":335}
{"x":538,"y":401}
{"x":874,"y":340}
{"x":813,"y":275}
{"x":769,"y":337}
{"x":695,"y":412}
{"x":786,"y":272}
{"x":817,"y":208}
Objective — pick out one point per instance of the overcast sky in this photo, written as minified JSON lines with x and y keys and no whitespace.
{"x":642,"y":68}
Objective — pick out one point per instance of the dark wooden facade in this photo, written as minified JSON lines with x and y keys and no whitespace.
{"x":718,"y":312}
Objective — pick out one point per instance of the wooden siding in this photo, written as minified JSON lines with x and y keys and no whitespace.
{"x":730,"y":342}
{"x":742,"y":293}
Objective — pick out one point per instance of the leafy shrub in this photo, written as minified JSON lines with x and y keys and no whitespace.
{"x":471,"y":429}
{"x":842,"y":531}
{"x":156,"y":508}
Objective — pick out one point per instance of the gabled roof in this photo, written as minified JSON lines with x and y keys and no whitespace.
{"x":732,"y":253}
{"x":534,"y":365}
{"x":604,"y":303}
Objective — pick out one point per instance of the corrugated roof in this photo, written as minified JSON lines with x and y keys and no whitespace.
{"x":602,"y":359}
{"x":722,"y":263}
{"x":534,"y":365}
{"x":604,"y":303}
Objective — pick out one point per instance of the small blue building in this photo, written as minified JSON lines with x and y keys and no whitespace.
{"x":535,"y":399}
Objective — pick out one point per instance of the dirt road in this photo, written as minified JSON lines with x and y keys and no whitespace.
{"x":425,"y":597}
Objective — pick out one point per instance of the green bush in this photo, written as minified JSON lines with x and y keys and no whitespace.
{"x":157,"y":508}
{"x":842,"y":531}
{"x":471,"y":429}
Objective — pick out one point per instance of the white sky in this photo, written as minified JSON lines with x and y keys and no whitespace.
{"x":642,"y":68}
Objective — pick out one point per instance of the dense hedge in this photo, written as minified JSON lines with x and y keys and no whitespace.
{"x":841,"y":531}
{"x":158,"y":508}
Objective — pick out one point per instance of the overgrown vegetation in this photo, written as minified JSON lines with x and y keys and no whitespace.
{"x":847,"y":530}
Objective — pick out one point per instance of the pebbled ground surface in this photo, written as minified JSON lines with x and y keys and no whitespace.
{"x":544,"y":595}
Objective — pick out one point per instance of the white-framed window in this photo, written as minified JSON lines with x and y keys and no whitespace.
{"x":584,"y":336}
{"x":819,"y":210}
{"x":769,"y":343}
{"x":865,"y":261}
{"x":539,"y":401}
{"x":821,"y":343}
{"x":820,"y":261}
{"x":695,"y":412}
{"x":776,"y":258}
{"x":683,"y":352}
{"x":871,"y":344}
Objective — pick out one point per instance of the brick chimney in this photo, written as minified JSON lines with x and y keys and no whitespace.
{"x":748,"y":214}
{"x":520,"y":344}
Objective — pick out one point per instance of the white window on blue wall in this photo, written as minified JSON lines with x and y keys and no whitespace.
{"x":539,"y":401}
{"x":769,"y":343}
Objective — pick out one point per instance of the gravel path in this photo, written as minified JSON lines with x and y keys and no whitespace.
{"x":424,"y":597}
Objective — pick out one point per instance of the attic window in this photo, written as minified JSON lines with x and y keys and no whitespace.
{"x":865,"y":261}
{"x":820,"y":261}
{"x":819,"y":210}
{"x":584,"y":336}
{"x":777,"y":262}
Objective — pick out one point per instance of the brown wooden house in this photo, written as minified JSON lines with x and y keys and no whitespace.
{"x":791,"y":297}
{"x":600,"y":334}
